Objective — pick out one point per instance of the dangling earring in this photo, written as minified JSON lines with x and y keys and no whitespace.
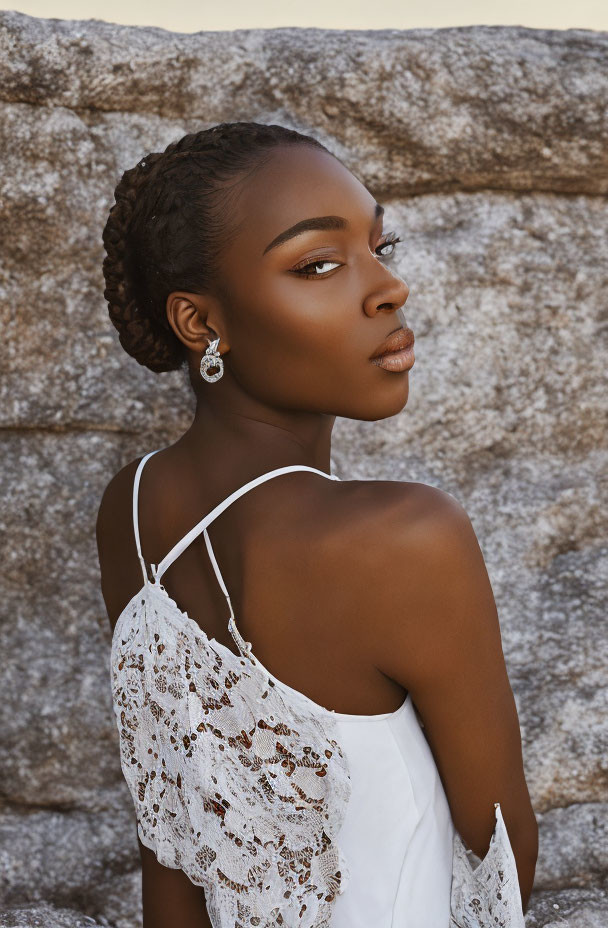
{"x":212,"y":358}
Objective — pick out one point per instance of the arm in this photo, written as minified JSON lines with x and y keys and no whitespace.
{"x":169,"y":898}
{"x":440,"y":639}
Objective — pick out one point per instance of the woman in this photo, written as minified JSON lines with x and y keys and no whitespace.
{"x":331,"y":766}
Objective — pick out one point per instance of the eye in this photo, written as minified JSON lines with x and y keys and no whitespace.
{"x":310,"y":269}
{"x":304,"y":272}
{"x":391,"y":240}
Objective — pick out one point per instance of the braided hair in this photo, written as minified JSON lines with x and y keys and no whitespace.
{"x":168,"y":226}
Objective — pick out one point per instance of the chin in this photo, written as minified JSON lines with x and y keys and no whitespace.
{"x":382,"y":404}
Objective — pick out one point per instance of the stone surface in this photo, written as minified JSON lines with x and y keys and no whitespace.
{"x":569,"y":909}
{"x":44,"y":916}
{"x":472,"y":137}
{"x":63,"y":856}
{"x":573,"y":847}
{"x":414,"y":110}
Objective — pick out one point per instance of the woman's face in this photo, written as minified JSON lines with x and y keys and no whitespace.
{"x":300,"y":337}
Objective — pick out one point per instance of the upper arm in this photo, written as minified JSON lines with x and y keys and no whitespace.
{"x":169,"y":897}
{"x":440,"y":638}
{"x":118,"y":561}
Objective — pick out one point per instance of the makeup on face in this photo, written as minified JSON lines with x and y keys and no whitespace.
{"x":322,"y":223}
{"x":396,"y":353}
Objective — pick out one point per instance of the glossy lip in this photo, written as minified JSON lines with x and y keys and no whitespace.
{"x":398,"y":340}
{"x":396,"y":360}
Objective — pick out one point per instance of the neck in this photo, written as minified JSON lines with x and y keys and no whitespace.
{"x":243,"y":436}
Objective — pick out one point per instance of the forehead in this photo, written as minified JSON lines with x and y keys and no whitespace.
{"x":297,"y":182}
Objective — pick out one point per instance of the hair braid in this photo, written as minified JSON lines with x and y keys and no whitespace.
{"x":168,"y":225}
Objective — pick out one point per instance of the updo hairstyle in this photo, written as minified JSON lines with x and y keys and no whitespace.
{"x":169,"y":222}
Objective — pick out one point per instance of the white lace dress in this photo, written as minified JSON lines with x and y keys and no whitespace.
{"x":286,"y":813}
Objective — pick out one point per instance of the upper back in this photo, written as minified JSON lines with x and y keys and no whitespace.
{"x":300,"y":556}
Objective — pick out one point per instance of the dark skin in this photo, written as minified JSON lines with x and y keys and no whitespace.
{"x":307,"y":560}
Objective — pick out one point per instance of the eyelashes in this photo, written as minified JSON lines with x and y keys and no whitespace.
{"x":391,"y":239}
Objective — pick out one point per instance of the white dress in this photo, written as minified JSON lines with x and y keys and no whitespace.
{"x":287,"y":813}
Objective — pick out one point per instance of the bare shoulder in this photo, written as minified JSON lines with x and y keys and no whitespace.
{"x":403,"y":517}
{"x":421,"y":575}
{"x":118,"y":488}
{"x":118,"y":564}
{"x":389,"y":539}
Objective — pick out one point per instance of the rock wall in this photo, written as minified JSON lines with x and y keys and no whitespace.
{"x":488,"y":146}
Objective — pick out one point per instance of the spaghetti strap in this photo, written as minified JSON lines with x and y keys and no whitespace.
{"x":201,"y":526}
{"x":135,"y":515}
{"x":243,"y":646}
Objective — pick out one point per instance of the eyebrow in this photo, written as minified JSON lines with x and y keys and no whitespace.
{"x":317,"y":222}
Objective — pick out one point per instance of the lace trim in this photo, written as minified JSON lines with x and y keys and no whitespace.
{"x":489,"y":895}
{"x":240,"y":789}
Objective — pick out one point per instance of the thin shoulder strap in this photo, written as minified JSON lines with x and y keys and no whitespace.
{"x":135,"y":514}
{"x":194,"y":532}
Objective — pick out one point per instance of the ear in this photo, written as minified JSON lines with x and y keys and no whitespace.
{"x":196,"y":319}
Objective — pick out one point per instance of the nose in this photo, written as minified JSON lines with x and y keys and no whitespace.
{"x":388,"y":295}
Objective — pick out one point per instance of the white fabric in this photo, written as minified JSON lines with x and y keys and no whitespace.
{"x":288,"y":814}
{"x":397,"y":833}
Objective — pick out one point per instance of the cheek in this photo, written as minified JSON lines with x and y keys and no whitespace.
{"x":300,"y":343}
{"x":293,"y":320}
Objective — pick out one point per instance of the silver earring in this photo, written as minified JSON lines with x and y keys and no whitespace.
{"x":212,"y":358}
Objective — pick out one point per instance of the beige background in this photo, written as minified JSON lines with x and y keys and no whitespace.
{"x":198,"y":15}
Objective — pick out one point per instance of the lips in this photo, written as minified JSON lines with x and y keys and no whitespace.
{"x":396,"y":341}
